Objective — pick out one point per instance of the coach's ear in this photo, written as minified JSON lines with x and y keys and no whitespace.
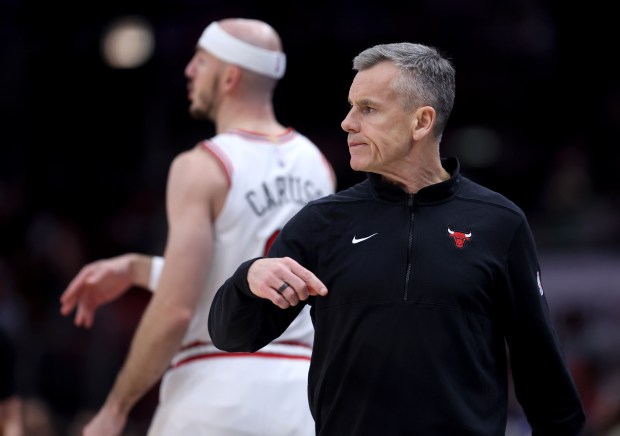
{"x":422,"y":122}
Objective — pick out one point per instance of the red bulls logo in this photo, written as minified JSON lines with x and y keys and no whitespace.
{"x":459,"y":237}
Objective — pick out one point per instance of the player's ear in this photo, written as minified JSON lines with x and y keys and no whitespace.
{"x":231,"y":77}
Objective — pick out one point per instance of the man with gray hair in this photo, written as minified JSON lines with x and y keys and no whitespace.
{"x":418,"y":278}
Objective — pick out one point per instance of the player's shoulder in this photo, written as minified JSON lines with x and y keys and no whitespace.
{"x":195,"y":165}
{"x":191,"y":157}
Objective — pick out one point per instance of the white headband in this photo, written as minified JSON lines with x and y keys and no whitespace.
{"x":230,"y":49}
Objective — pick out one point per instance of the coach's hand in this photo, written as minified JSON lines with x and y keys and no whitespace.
{"x":283,"y":281}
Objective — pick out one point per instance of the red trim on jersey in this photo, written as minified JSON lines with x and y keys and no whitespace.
{"x":214,"y":150}
{"x":200,"y":343}
{"x":283,"y":137}
{"x":193,"y":344}
{"x":225,"y":354}
{"x":262,"y":354}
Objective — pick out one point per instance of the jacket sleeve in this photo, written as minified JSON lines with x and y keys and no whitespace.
{"x":240,"y":321}
{"x":543,"y":384}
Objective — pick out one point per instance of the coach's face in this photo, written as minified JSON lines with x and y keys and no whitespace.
{"x":379,"y":130}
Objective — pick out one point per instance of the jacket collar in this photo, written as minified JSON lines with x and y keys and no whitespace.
{"x":429,"y":194}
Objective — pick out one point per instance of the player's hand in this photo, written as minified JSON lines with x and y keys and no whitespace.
{"x":283,"y":281}
{"x":105,"y":423}
{"x":97,"y":283}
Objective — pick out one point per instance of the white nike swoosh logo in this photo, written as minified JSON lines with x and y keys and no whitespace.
{"x":356,"y":241}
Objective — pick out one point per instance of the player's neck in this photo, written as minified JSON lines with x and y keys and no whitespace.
{"x":263,"y":122}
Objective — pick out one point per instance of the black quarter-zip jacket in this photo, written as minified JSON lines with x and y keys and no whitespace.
{"x":429,"y":295}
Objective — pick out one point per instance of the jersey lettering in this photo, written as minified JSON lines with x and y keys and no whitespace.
{"x":282,"y":190}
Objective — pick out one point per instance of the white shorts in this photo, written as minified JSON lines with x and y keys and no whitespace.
{"x":235,"y":396}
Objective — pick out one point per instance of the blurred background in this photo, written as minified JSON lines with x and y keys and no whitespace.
{"x":93,"y":107}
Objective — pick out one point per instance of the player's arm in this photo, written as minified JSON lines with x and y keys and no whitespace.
{"x":195,"y":182}
{"x":104,"y":280}
{"x":11,"y":416}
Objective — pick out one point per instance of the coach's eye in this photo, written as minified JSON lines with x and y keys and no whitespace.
{"x":367,"y":109}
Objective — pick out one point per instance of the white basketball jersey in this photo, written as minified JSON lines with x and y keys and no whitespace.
{"x":270,"y":179}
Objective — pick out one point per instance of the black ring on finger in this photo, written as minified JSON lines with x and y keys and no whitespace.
{"x":282,"y":288}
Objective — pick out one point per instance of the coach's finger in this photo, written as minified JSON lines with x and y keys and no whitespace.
{"x":314,"y":285}
{"x":304,"y":282}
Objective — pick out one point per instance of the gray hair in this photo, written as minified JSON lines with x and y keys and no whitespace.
{"x":426,"y":77}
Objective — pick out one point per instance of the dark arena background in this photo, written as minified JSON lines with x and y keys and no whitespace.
{"x":94,"y":105}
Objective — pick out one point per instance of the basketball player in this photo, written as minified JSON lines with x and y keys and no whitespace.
{"x":227,"y":199}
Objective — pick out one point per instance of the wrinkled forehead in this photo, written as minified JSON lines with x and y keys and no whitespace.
{"x":373,"y":83}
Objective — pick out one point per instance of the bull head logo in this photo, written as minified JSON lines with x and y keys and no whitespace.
{"x":459,"y":237}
